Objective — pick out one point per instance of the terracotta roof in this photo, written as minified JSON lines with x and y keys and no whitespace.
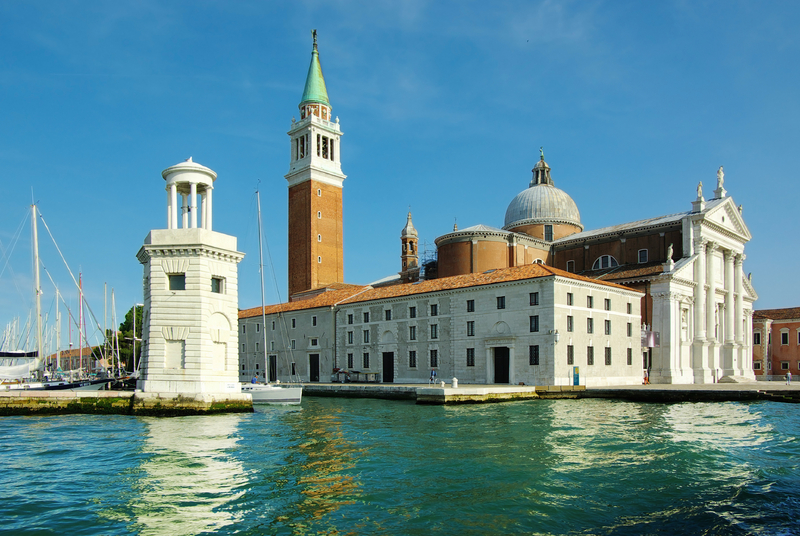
{"x":367,"y":293}
{"x":778,"y":314}
{"x":626,"y":271}
{"x":324,"y":299}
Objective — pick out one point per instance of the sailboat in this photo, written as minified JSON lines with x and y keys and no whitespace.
{"x":269,"y":393}
{"x":21,"y":368}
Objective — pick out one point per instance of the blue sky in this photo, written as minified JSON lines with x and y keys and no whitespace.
{"x":444,"y":106}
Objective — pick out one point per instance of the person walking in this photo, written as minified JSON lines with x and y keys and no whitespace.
{"x":788,"y":378}
{"x":433,"y":377}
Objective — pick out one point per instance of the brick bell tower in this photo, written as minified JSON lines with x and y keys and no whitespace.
{"x":316,"y":243}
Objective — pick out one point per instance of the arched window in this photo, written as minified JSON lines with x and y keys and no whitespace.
{"x":605,"y":261}
{"x":538,"y":261}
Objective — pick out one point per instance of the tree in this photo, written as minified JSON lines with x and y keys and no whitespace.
{"x":126,"y":337}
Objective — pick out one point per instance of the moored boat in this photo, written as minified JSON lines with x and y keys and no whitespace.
{"x":274,"y":394}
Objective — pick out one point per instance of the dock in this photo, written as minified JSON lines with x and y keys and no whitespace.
{"x":28,"y":402}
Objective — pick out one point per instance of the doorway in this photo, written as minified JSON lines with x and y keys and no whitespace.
{"x":313,"y":367}
{"x":501,"y":364}
{"x":388,"y":367}
{"x":273,"y":368}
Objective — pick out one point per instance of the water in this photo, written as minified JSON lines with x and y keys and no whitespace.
{"x":337,"y":466}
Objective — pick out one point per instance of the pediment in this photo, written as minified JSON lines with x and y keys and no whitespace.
{"x":726,"y":216}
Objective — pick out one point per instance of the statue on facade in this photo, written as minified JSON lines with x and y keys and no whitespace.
{"x":669,"y":253}
{"x":720,"y":177}
{"x":700,"y":190}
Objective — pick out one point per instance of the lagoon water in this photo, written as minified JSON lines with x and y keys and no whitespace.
{"x":339,"y":466}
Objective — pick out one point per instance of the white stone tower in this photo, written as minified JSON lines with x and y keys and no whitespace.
{"x":190,"y":335}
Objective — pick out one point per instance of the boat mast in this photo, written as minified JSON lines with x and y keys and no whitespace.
{"x":37,"y":289}
{"x":80,"y":322}
{"x":58,"y":331}
{"x":263,"y":299}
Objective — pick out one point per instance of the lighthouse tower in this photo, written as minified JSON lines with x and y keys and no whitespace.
{"x":190,"y":335}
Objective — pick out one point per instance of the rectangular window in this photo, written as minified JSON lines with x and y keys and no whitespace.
{"x":642,"y":256}
{"x":387,"y":314}
{"x":589,"y":325}
{"x":630,"y":356}
{"x":470,"y":328}
{"x":590,"y":302}
{"x":313,"y":320}
{"x":294,"y":323}
{"x":177,"y":281}
{"x":534,"y":298}
{"x":630,"y":329}
{"x":349,"y":361}
{"x":216,"y":285}
{"x":785,"y":338}
{"x":294,"y":345}
{"x":273,"y":325}
{"x":434,"y":310}
{"x":570,"y":326}
{"x":272,"y":345}
{"x":412,"y":312}
{"x":314,"y":342}
{"x":258,"y":328}
{"x":570,"y":298}
{"x":366,"y":318}
{"x":349,"y":319}
{"x":349,"y":337}
{"x":434,"y":331}
{"x":534,"y":323}
{"x":294,"y":369}
{"x":366,"y":336}
{"x":590,"y":355}
{"x":244,"y":347}
{"x":470,"y":306}
{"x":756,"y":365}
{"x":571,"y":267}
{"x":244,"y":328}
{"x":434,"y":358}
{"x":630,"y":309}
{"x":784,"y":365}
{"x":756,"y":337}
{"x":412,"y":333}
{"x":501,"y":302}
{"x":412,"y":359}
{"x":607,"y":304}
{"x":570,"y":355}
{"x":608,"y":327}
{"x":319,"y":144}
{"x":608,"y":355}
{"x":256,"y":351}
{"x":366,"y":360}
{"x":470,"y":357}
{"x":548,"y":233}
{"x":533,"y":354}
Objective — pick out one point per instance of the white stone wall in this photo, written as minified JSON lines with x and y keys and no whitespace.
{"x":190,"y":336}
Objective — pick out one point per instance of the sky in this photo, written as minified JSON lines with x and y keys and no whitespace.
{"x":443,"y":105}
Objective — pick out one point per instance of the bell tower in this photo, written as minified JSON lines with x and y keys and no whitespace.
{"x":316,"y":243}
{"x":409,"y":254}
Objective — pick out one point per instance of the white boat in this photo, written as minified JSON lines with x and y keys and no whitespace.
{"x":270,"y":393}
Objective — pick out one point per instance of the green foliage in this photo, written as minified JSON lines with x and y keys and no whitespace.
{"x":126,"y":338}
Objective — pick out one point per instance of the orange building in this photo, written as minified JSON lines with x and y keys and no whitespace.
{"x":776,"y":343}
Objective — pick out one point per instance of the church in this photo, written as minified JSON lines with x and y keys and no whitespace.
{"x":540,"y":301}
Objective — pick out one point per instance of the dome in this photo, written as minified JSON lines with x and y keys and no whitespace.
{"x":542,"y":202}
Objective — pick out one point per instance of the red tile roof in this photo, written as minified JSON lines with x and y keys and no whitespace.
{"x":367,"y":293}
{"x":778,"y":314}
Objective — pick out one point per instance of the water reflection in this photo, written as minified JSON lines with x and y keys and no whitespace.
{"x":188,"y":478}
{"x":719,"y":425}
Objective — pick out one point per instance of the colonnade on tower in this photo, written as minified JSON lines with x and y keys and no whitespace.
{"x":185,"y":186}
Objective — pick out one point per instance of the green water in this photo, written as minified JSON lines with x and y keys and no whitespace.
{"x":337,"y":466}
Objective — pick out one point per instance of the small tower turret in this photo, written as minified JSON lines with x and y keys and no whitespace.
{"x":409,"y":253}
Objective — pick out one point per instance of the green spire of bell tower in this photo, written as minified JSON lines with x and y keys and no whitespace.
{"x":315,"y":90}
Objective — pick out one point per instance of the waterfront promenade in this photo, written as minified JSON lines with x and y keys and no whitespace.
{"x":160,"y":404}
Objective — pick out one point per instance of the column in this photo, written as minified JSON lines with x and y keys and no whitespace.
{"x":203,"y":209}
{"x":699,"y":291}
{"x":193,"y":203}
{"x":184,"y":212}
{"x":711,"y":293}
{"x":209,"y":189}
{"x":169,"y":207}
{"x":738,"y":277}
{"x":729,"y":321}
{"x":173,"y":193}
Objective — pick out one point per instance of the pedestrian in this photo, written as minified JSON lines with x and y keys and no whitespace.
{"x":788,"y":378}
{"x":433,"y":377}
{"x":255,"y":378}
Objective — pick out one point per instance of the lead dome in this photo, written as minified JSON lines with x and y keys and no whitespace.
{"x":541,"y":203}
